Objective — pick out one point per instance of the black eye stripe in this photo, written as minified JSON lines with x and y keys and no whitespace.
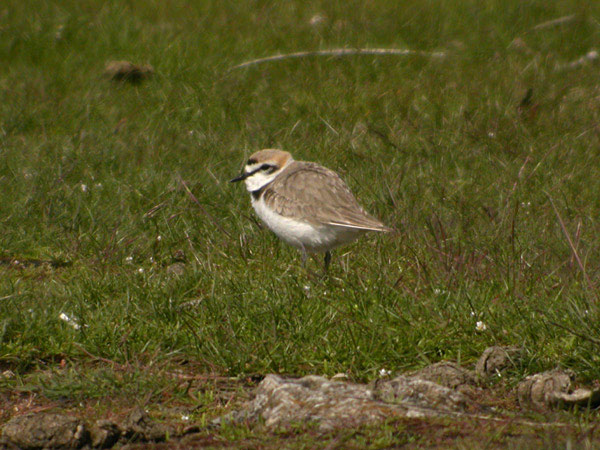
{"x":269,"y":168}
{"x":252,"y":161}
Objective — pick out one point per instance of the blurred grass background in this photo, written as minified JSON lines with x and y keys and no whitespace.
{"x":452,"y":151}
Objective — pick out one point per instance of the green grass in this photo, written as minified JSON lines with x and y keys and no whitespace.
{"x":438,"y":148}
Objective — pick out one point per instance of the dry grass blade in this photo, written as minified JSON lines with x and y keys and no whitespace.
{"x":128,"y":367}
{"x":569,"y":330}
{"x":101,"y":359}
{"x":21,"y":262}
{"x":572,"y":246}
{"x":204,"y":211}
{"x":553,"y":22}
{"x":152,"y":211}
{"x":340,"y":52}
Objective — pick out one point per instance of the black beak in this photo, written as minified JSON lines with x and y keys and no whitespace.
{"x":243,"y":176}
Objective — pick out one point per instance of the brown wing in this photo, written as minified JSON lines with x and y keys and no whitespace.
{"x":310,"y":192}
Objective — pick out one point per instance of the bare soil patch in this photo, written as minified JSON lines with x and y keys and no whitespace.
{"x":440,"y":405}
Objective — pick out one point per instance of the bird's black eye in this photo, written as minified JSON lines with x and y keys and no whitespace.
{"x":268,"y":168}
{"x":251,"y":161}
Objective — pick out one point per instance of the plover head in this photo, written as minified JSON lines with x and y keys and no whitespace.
{"x":263,"y":167}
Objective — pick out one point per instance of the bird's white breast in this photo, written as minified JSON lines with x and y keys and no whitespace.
{"x":302,"y":234}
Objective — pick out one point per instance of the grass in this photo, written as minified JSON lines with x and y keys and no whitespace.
{"x":96,"y":174}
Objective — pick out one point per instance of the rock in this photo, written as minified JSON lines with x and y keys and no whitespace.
{"x":177,"y":269}
{"x":496,"y":359}
{"x":582,"y":398}
{"x":553,"y":389}
{"x":420,"y":392}
{"x":330,"y":404}
{"x":447,"y":374}
{"x":138,"y":426}
{"x":45,"y":430}
{"x":104,"y":434}
{"x":49,"y":430}
{"x":540,"y":390}
{"x":339,"y":377}
{"x":127,"y":71}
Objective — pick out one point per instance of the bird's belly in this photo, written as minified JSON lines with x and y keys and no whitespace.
{"x":301,"y":234}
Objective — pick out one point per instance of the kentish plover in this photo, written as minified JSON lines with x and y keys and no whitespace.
{"x":305,"y":204}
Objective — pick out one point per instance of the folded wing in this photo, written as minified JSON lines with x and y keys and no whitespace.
{"x":317,"y":195}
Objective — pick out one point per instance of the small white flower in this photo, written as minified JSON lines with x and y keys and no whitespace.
{"x":69,"y":320}
{"x":437,"y":291}
{"x":159,"y":238}
{"x":84,"y":187}
{"x":472,"y":313}
{"x":129,"y":259}
{"x":185,"y":417}
{"x":492,"y":134}
{"x":384,"y":373}
{"x":152,"y":259}
{"x":98,"y":185}
{"x":480,"y":326}
{"x":141,"y":270}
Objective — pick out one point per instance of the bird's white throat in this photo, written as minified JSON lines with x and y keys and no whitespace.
{"x":259,"y":179}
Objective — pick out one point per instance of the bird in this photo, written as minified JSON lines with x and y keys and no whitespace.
{"x":306,"y":205}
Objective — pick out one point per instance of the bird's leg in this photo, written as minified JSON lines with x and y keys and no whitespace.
{"x":304,"y":256}
{"x":327,"y":260}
